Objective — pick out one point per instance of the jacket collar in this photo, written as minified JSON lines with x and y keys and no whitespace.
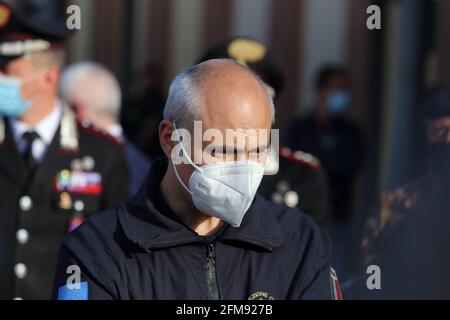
{"x":65,"y":141}
{"x":45,"y":128}
{"x":68,"y":133}
{"x":151,"y":229}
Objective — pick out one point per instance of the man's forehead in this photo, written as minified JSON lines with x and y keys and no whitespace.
{"x":238,"y":140}
{"x":236,"y":104}
{"x":231,"y":136}
{"x":238,"y":116}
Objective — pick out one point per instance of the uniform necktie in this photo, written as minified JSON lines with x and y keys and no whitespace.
{"x":29,"y":137}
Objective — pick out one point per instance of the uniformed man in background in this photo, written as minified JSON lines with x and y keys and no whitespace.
{"x":54,"y":170}
{"x":408,"y":237}
{"x":328,"y":132}
{"x":94,"y":93}
{"x":297,"y":179}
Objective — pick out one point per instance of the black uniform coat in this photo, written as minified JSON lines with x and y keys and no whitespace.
{"x":300,"y":183}
{"x":37,"y":212}
{"x":141,"y":250}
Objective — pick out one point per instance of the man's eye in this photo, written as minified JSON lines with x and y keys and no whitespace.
{"x":262,"y":150}
{"x":217,"y":151}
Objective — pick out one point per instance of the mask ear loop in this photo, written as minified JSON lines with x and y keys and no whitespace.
{"x":179,"y":179}
{"x":185,"y":155}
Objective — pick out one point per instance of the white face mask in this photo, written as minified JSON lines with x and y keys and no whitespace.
{"x":224,"y":190}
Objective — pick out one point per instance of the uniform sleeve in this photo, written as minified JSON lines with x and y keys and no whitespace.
{"x":324,"y":286}
{"x":321,"y":282}
{"x":75,"y":280}
{"x":116,"y":180}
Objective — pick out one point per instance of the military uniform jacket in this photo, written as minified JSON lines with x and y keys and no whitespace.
{"x":141,"y":250}
{"x":83,"y":171}
{"x":300,"y":183}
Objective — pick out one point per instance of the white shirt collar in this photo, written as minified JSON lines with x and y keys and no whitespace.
{"x":46,"y":128}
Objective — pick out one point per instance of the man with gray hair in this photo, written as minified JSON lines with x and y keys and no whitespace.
{"x":94,"y":93}
{"x":197,"y":230}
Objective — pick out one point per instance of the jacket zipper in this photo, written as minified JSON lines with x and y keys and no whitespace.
{"x":213,"y":290}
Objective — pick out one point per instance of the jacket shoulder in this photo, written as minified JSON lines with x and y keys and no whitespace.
{"x":97,"y":135}
{"x":300,"y":158}
{"x":95,"y":235}
{"x":93,"y":249}
{"x":300,"y":228}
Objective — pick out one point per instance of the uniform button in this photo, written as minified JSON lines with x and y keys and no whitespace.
{"x":22,"y":236}
{"x":79,"y":205}
{"x":88,"y":163}
{"x":76,"y":164}
{"x":283,"y":186}
{"x":25,"y":203}
{"x":277,"y":197}
{"x":20,"y":270}
{"x":291,"y":198}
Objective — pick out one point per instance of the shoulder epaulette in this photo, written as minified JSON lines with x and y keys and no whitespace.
{"x":300,"y":157}
{"x":89,"y":128}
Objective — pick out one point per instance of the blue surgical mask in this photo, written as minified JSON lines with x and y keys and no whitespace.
{"x":338,"y":102}
{"x":11,"y":102}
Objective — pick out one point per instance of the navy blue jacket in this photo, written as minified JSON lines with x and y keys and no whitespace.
{"x":141,"y":250}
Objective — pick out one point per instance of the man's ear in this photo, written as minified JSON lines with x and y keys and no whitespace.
{"x":51,"y":77}
{"x":165,"y":137}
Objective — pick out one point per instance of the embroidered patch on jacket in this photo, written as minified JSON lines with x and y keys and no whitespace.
{"x":80,"y":182}
{"x":260,"y":295}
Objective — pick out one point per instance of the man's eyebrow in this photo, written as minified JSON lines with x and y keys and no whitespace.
{"x":234,"y":149}
{"x":220,"y":147}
